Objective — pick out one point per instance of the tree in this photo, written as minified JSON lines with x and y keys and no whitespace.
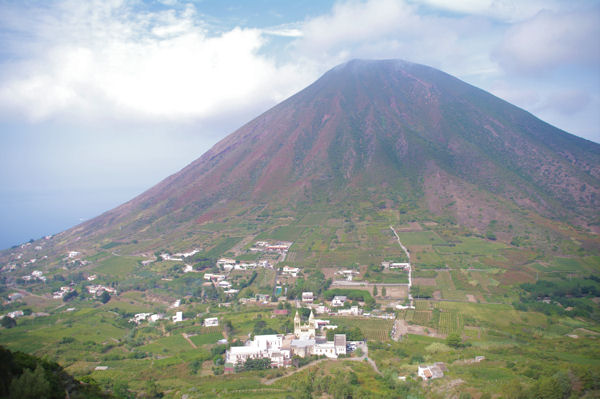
{"x":454,"y":340}
{"x":383,"y":292}
{"x":152,"y":391}
{"x":105,"y":297}
{"x":30,"y":385}
{"x":70,"y":295}
{"x":8,"y":322}
{"x":374,"y":290}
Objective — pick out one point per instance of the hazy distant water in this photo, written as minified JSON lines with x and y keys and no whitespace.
{"x":26,"y":215}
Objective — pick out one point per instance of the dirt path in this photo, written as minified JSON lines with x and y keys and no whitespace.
{"x":400,"y":329}
{"x":187,"y":338}
{"x":270,"y":382}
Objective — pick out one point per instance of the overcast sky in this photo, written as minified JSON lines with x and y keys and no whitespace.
{"x":100,"y":100}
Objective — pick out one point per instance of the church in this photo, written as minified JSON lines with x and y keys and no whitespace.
{"x":305,"y":331}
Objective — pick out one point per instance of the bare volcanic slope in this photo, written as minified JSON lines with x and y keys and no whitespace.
{"x":393,"y":131}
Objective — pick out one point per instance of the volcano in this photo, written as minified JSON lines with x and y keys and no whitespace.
{"x":390,"y":133}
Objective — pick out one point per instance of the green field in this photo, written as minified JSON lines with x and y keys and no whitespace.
{"x":117,"y":266}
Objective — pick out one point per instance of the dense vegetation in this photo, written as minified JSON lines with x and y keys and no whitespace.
{"x":24,"y":376}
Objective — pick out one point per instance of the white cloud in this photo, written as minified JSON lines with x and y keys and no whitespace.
{"x":550,"y":40}
{"x":505,"y":10}
{"x":102,"y":59}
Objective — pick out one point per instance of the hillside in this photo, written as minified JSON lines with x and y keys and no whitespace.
{"x":406,"y":134}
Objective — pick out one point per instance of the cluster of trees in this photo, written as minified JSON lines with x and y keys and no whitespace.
{"x":254,"y":364}
{"x":352,"y":294}
{"x":315,"y":283}
{"x":565,"y":293}
{"x":347,"y":385}
{"x":261,"y":328}
{"x":563,"y":384}
{"x":352,"y":333}
{"x":25,"y":376}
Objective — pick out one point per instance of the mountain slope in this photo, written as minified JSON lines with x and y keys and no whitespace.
{"x":392,"y":128}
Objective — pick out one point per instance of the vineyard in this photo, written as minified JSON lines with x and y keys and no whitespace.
{"x":450,"y":322}
{"x":435,"y":315}
{"x":373,"y":329}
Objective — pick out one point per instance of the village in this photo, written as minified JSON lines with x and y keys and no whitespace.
{"x":309,"y":339}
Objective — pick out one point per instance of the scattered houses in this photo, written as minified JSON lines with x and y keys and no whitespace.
{"x":99,"y":289}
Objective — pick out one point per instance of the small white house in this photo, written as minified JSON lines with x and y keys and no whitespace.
{"x":338,"y":301}
{"x":211,"y":322}
{"x":308,"y":297}
{"x":224,"y":284}
{"x":155,"y":317}
{"x":178,"y":317}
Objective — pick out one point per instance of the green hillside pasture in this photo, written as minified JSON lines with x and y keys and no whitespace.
{"x":223,"y":246}
{"x":313,"y":219}
{"x":207,"y":338}
{"x":590,"y":264}
{"x":117,"y":266}
{"x":171,"y":345}
{"x":425,"y":256}
{"x":460,"y":279}
{"x":472,"y":246}
{"x":283,"y":233}
{"x":43,"y":335}
{"x":454,"y":295}
{"x":420,"y":238}
{"x":443,"y":281}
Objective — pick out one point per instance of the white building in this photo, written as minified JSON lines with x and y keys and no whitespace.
{"x":178,"y":317}
{"x":338,"y":301}
{"x":139,"y":317}
{"x":339,"y":342}
{"x":353,"y":311}
{"x":290,"y":271}
{"x":224,"y":284}
{"x":211,"y":322}
{"x":308,"y":297}
{"x":155,"y":317}
{"x":263,"y":346}
{"x":430,"y":372}
{"x":15,"y":314}
{"x":321,"y":309}
{"x":326,"y":348}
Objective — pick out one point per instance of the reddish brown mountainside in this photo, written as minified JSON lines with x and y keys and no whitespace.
{"x":401,"y":131}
